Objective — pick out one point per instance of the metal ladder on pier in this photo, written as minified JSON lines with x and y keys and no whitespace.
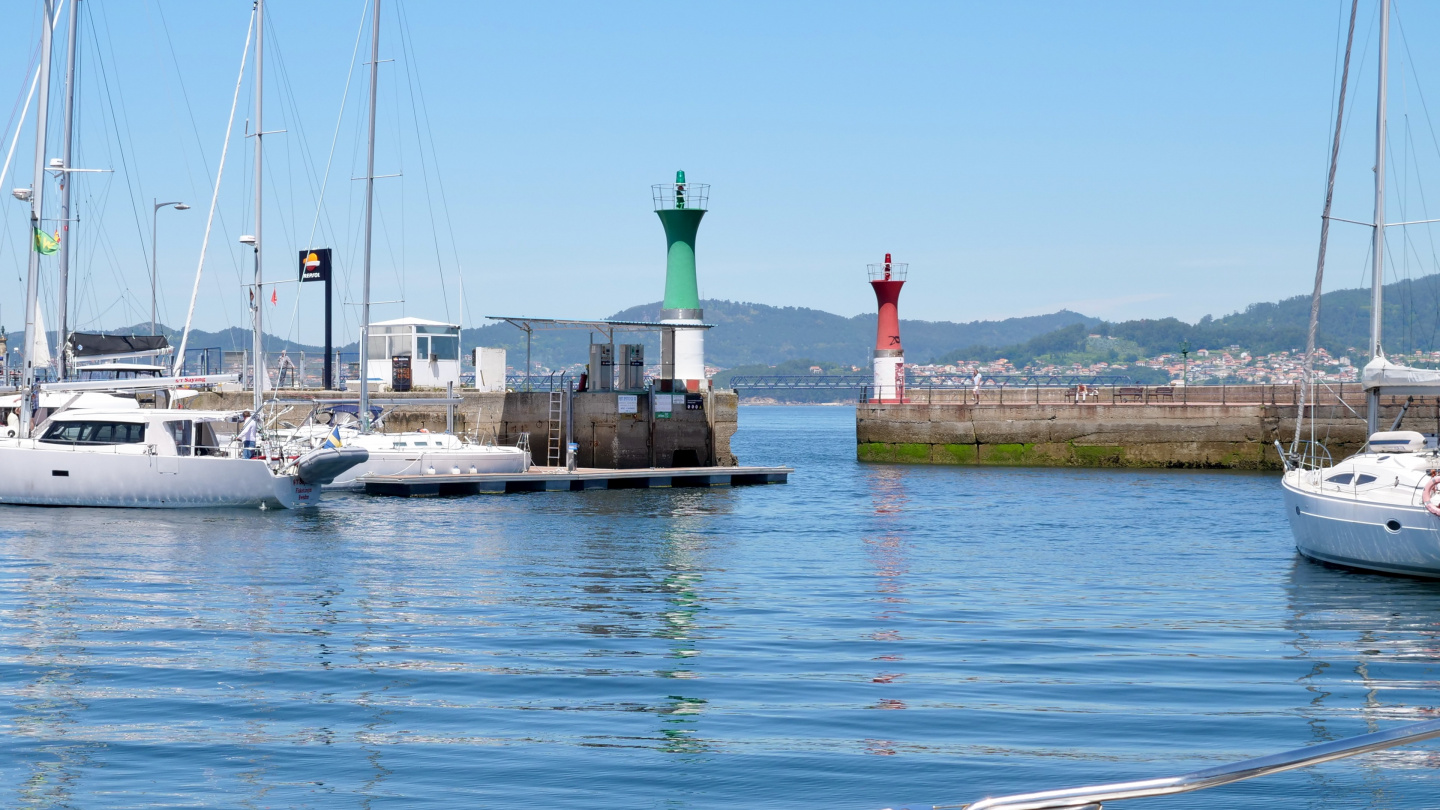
{"x":557,"y":408}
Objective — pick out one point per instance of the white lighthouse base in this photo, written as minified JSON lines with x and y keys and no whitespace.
{"x":689,"y":351}
{"x":888,"y":384}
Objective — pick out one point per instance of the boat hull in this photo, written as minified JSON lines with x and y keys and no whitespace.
{"x":1350,"y":532}
{"x":476,"y":458}
{"x":41,"y":476}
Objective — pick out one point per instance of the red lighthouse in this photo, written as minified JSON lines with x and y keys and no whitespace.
{"x":889,"y":382}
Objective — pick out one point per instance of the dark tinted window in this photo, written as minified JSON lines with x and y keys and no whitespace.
{"x":1364,"y":479}
{"x":1342,"y":478}
{"x":94,"y":433}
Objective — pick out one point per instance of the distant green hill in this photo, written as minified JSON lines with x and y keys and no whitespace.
{"x":1412,"y":322}
{"x":757,"y":334}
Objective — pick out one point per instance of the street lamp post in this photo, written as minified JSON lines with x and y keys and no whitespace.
{"x":155,"y":215}
{"x":1185,"y":371}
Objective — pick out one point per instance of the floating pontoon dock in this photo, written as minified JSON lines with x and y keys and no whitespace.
{"x":559,"y":479}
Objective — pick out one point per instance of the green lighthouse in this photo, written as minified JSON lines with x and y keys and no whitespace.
{"x":680,"y":207}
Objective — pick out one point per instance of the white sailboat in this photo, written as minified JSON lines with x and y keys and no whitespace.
{"x":157,"y":458}
{"x":90,"y":455}
{"x":408,"y":452}
{"x":1378,"y":510}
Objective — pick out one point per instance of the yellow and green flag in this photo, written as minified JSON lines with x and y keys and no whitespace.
{"x":45,"y":244}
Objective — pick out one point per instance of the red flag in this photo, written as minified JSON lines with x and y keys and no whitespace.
{"x":274,"y":296}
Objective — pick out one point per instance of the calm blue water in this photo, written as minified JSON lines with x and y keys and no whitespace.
{"x":866,"y":634}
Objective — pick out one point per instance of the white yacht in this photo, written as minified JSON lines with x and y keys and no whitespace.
{"x":158,"y":458}
{"x":1378,"y":509}
{"x":404,"y":453}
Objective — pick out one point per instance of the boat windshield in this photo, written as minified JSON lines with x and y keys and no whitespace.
{"x":87,"y":432}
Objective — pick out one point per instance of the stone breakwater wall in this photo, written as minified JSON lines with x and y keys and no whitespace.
{"x":1208,"y":435}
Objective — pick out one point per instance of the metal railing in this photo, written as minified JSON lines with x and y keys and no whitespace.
{"x":1092,"y":797}
{"x":554,"y":381}
{"x":681,"y":195}
{"x":801,"y":382}
{"x":210,"y":360}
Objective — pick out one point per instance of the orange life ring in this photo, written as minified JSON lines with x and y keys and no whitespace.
{"x":1425,"y":498}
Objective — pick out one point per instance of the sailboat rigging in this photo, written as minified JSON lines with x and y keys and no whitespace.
{"x":392,"y":453}
{"x":1378,"y":510}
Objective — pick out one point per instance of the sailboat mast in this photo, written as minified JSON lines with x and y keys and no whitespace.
{"x":364,"y":413}
{"x":63,"y":304}
{"x":37,"y":197}
{"x":257,"y":336}
{"x":1377,"y":281}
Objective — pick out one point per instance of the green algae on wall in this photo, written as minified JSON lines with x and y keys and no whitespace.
{"x":956,"y":453}
{"x":1178,"y":455}
{"x":1098,"y":455}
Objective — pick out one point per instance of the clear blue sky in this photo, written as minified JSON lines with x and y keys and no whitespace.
{"x":1121,"y":159}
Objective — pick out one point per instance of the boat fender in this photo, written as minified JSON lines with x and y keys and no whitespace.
{"x":323,"y":466}
{"x":1428,"y":496}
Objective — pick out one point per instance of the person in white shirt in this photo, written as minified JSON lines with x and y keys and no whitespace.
{"x":249,"y":433}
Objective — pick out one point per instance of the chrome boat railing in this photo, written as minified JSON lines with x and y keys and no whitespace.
{"x":1091,"y":797}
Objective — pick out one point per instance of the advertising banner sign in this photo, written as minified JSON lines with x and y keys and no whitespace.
{"x":315,"y":264}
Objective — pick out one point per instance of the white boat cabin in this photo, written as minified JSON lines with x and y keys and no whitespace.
{"x":158,"y":432}
{"x":432,"y":349}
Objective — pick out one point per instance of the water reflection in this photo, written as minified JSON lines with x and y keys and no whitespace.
{"x":682,"y":560}
{"x":1371,"y":644}
{"x":887,"y":552}
{"x":48,"y":703}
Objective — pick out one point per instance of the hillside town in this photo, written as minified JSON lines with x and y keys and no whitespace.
{"x":1232,"y":365}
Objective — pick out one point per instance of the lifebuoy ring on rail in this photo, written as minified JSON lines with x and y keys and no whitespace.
{"x":1427,"y":496}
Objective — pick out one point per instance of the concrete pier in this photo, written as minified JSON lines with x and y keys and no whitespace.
{"x":1234,"y":428}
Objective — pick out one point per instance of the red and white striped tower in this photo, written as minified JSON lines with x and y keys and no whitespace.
{"x":889,"y":382}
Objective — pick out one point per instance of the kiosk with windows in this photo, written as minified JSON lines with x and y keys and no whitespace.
{"x":432,"y":347}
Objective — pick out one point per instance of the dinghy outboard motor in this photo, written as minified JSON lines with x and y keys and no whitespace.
{"x":323,"y":465}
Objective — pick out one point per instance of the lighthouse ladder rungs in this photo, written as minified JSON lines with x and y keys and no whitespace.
{"x":552,"y":450}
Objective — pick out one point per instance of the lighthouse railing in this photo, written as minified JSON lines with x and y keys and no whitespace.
{"x":695,"y":196}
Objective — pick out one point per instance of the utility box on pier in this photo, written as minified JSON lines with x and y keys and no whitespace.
{"x":630,"y":370}
{"x":602,"y":367}
{"x":489,"y":369}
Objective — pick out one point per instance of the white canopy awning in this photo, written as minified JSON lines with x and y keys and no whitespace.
{"x":1390,"y":378}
